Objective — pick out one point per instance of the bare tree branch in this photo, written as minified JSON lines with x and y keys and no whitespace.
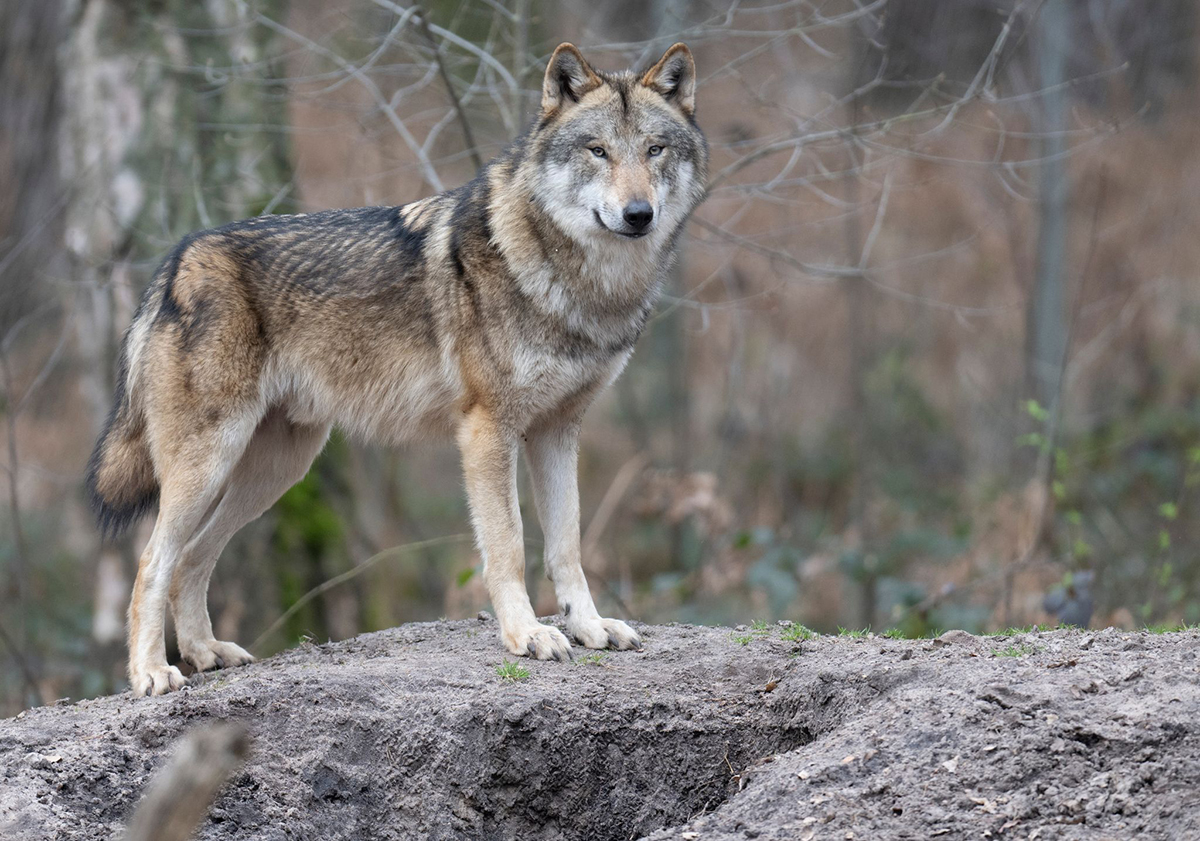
{"x":454,"y":101}
{"x":368,"y":83}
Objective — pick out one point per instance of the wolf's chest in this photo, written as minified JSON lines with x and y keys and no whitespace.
{"x":541,"y":375}
{"x":543,"y":379}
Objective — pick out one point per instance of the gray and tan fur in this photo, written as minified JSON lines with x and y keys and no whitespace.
{"x":492,"y":314}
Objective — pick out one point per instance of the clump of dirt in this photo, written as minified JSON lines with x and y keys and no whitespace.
{"x":706,"y":734}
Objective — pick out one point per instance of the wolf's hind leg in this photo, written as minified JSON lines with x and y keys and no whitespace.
{"x":553,"y":465}
{"x":489,"y":455}
{"x":277,"y":457}
{"x":193,"y":473}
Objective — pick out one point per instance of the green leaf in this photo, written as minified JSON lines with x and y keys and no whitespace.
{"x":1062,"y":461}
{"x":1032,"y":439}
{"x":1164,"y":575}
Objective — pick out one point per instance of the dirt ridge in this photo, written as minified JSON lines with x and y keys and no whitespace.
{"x":709,"y":733}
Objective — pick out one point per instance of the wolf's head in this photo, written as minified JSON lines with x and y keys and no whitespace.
{"x":618,"y":156}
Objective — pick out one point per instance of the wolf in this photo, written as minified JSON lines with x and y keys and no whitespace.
{"x":492,"y":314}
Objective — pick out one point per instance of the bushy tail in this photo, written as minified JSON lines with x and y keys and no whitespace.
{"x":120,"y":473}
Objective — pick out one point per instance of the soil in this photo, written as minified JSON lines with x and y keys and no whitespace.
{"x":707,"y":734}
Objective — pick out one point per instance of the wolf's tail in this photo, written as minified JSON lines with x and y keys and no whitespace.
{"x":120,"y":474}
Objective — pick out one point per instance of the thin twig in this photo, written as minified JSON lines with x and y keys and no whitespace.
{"x":521,"y":58}
{"x":880,"y":213}
{"x":608,"y":503}
{"x":423,"y":17}
{"x":483,"y":55}
{"x":22,"y":664}
{"x":349,"y":575}
{"x":367,"y":82}
{"x":984,"y":73}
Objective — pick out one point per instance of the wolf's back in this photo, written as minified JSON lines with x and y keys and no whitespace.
{"x":238,"y":280}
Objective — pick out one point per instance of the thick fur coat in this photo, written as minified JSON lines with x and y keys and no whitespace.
{"x":492,"y":314}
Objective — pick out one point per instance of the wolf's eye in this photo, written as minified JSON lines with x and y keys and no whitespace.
{"x":599,"y":152}
{"x":655,"y":150}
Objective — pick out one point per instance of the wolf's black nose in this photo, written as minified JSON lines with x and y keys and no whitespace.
{"x":638,"y":215}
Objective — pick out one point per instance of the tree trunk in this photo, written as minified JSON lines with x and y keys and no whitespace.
{"x":1047,"y":322}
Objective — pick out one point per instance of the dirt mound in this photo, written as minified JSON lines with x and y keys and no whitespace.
{"x":707,"y":734}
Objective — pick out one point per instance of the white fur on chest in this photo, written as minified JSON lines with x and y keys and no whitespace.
{"x":543,"y":379}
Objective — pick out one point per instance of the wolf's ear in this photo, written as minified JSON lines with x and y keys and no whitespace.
{"x":568,"y":78}
{"x":675,"y":78}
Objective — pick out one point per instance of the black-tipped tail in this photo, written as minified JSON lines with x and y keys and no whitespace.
{"x":120,"y":474}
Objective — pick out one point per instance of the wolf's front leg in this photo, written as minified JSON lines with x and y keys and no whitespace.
{"x":553,"y":463}
{"x":489,"y":455}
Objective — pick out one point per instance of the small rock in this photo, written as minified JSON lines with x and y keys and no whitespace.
{"x":41,"y":761}
{"x":957,"y":637}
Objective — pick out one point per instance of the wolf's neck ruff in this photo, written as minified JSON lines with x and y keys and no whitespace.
{"x":602,"y":291}
{"x":492,"y":314}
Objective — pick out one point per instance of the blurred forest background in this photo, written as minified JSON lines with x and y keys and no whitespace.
{"x":931,"y":358}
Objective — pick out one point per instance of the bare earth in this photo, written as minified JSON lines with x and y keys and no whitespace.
{"x":410,"y":733}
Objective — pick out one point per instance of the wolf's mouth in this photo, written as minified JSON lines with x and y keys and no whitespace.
{"x":626,"y":234}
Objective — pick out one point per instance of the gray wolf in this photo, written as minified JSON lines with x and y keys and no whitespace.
{"x":492,"y":314}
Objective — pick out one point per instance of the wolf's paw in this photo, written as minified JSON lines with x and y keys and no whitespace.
{"x":214,"y":654}
{"x":605,"y":633}
{"x":156,"y":680}
{"x":538,"y":641}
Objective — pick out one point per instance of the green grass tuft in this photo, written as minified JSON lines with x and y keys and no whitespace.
{"x":799,"y":633}
{"x":1016,"y":650}
{"x":1028,"y":629}
{"x":512,"y":671}
{"x":758,"y":628}
{"x":1172,"y":629}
